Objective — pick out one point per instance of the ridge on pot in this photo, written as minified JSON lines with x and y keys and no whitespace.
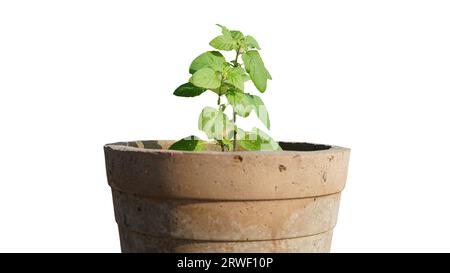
{"x":210,"y":201}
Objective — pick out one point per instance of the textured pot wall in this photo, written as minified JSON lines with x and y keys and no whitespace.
{"x":171,"y":201}
{"x":141,"y":242}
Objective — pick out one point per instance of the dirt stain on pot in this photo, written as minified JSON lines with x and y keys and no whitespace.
{"x":282,"y":168}
{"x":324,"y":177}
{"x":238,"y":158}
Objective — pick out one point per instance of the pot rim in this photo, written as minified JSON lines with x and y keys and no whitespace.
{"x":126,"y":146}
{"x":239,"y":175}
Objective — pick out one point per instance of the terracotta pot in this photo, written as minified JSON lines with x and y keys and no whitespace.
{"x":212,"y":201}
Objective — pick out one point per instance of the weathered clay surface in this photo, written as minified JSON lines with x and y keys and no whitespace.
{"x":173,"y":201}
{"x":226,"y":220}
{"x":140,"y":242}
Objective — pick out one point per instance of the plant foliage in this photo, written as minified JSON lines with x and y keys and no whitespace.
{"x":211,"y":71}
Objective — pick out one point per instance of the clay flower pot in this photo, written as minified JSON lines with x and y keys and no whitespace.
{"x":212,"y":201}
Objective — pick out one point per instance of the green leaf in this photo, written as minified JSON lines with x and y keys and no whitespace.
{"x":250,"y":42}
{"x":256,"y":140}
{"x":215,"y":124}
{"x":267,"y":143}
{"x":248,"y":141}
{"x":191,"y":143}
{"x":225,"y":30}
{"x":261,"y":110}
{"x":229,"y":40}
{"x":242,"y":103}
{"x":188,"y":90}
{"x":227,"y":143}
{"x":224,"y":88}
{"x":237,"y":76}
{"x":223,"y":42}
{"x":206,"y":78}
{"x":212,"y":59}
{"x":255,"y":67}
{"x":236,"y":35}
{"x":246,"y":77}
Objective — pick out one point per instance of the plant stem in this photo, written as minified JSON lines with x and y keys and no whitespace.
{"x":234,"y":112}
{"x":234,"y":131}
{"x":236,"y":59}
{"x":222,"y":147}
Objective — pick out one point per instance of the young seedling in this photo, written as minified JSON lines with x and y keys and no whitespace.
{"x":210,"y":71}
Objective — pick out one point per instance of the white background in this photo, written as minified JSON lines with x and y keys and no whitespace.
{"x":369,"y":75}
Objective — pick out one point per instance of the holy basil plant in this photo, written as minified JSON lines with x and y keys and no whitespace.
{"x":210,"y":71}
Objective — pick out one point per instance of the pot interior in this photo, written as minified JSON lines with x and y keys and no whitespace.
{"x":303,"y":146}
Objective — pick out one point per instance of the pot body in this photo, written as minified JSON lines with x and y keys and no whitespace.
{"x":212,"y":201}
